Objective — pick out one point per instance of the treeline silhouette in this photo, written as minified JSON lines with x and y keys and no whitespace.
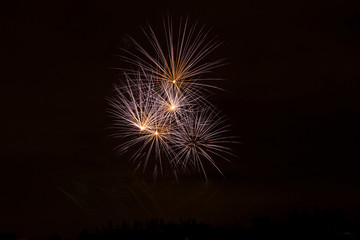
{"x":303,"y":223}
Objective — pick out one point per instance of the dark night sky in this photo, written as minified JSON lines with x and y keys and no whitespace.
{"x":292,"y":81}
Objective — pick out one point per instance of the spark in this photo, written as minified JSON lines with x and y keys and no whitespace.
{"x":173,"y":107}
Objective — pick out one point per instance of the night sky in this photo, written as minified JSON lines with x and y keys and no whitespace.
{"x":292,"y":96}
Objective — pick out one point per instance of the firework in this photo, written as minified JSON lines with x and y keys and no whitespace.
{"x":161,"y":111}
{"x":178,"y":63}
{"x":198,"y":137}
{"x":140,"y":120}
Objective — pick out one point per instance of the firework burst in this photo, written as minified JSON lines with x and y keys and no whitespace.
{"x":198,"y":137}
{"x":178,"y":63}
{"x":161,"y":110}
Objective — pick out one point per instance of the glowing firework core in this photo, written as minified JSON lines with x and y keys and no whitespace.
{"x":173,"y":107}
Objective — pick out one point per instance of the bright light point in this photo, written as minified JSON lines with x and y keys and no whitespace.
{"x":142,"y":128}
{"x":174,"y":81}
{"x":156,"y":133}
{"x":172,"y":107}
